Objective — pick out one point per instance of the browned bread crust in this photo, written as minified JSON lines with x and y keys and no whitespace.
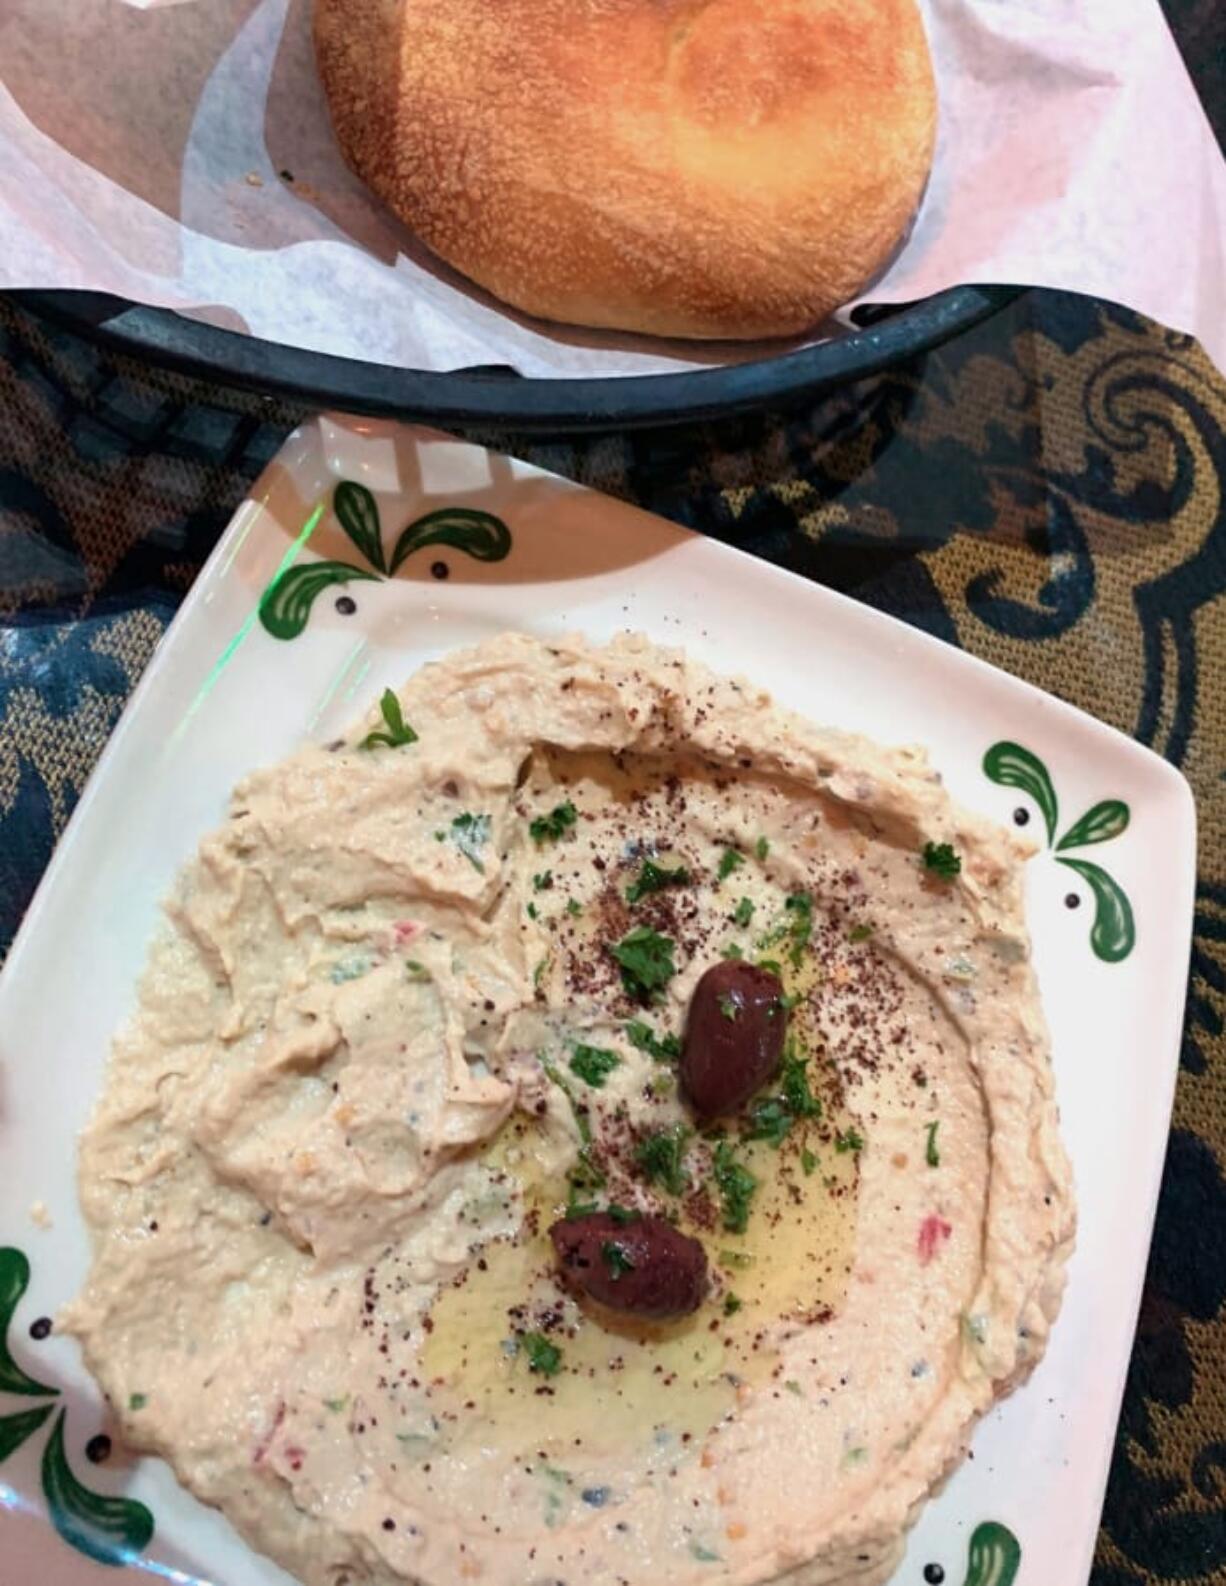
{"x":701,"y":168}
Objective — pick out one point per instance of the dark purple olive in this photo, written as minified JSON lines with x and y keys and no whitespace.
{"x":637,"y":1264}
{"x":733,"y":1037}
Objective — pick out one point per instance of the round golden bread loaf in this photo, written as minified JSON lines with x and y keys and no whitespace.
{"x":702,"y":168}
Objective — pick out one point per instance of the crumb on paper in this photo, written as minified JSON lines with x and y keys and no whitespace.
{"x":39,"y":1215}
{"x":254,"y":179}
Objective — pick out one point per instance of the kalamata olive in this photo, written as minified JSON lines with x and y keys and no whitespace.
{"x":637,"y":1264}
{"x":733,"y":1037}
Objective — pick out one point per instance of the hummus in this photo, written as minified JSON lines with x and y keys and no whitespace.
{"x":424,"y":992}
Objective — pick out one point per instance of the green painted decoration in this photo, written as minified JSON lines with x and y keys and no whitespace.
{"x":1098,"y":825}
{"x":14,"y":1429}
{"x":110,"y":1530}
{"x":995,"y":1555}
{"x":478,"y":534}
{"x":1009,"y":765}
{"x":357,"y":512}
{"x":14,"y":1281}
{"x":1113,"y":934}
{"x":285,"y":606}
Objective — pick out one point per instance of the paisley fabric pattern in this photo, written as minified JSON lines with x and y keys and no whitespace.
{"x":1046,"y":491}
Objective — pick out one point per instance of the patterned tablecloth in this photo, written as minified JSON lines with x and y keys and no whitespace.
{"x":1046,"y":491}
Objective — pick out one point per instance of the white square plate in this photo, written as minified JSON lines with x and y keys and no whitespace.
{"x":224,"y":694}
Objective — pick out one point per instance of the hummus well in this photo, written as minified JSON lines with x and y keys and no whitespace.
{"x":423,"y":995}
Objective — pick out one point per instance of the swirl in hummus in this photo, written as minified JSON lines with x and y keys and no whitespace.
{"x":422,"y":998}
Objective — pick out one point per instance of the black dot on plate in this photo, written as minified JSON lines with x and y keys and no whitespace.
{"x":933,"y":1574}
{"x":1072,"y":901}
{"x":346,"y":605}
{"x":1021,"y":816}
{"x":98,"y":1449}
{"x":439,"y":570}
{"x":40,"y":1328}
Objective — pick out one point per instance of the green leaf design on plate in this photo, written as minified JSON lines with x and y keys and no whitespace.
{"x":479,"y":534}
{"x":358,"y":514}
{"x":14,"y":1281}
{"x":995,"y":1556}
{"x":1114,"y":934}
{"x":14,"y":1429}
{"x":1010,"y":765}
{"x":111,"y":1530}
{"x":286,"y":604}
{"x":1098,"y":825}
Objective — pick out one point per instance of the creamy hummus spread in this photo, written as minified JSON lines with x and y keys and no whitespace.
{"x":423,"y":998}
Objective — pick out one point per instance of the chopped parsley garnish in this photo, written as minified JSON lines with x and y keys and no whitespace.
{"x":593,"y":1064}
{"x":416,"y":971}
{"x":578,"y":1208}
{"x":661,"y":1155}
{"x":548,"y":828}
{"x":769,"y":1120}
{"x":646,"y":960}
{"x":800,"y":925}
{"x":623,"y":1214}
{"x":543,"y":1357}
{"x":654,"y":878}
{"x":397,"y":733}
{"x":795,"y":1088}
{"x":796,"y":927}
{"x":941,"y":859}
{"x":729,"y":1007}
{"x":573,"y":908}
{"x":744,"y":912}
{"x":859,"y":933}
{"x":729,"y":861}
{"x":772,"y":1117}
{"x":808,"y":1162}
{"x":771,"y":964}
{"x":848,"y":1140}
{"x":664,"y":1048}
{"x":761,"y":848}
{"x":532,"y":915}
{"x":542,"y":881}
{"x":585,"y":1175}
{"x":616,"y":1259}
{"x":931,"y":1154}
{"x":794,"y":1387}
{"x":336,"y":1404}
{"x":577,"y":1112}
{"x":737,"y":1259}
{"x":137,"y":1401}
{"x":470,"y":833}
{"x":736,"y":1185}
{"x":732,"y":951}
{"x":732,"y":1304}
